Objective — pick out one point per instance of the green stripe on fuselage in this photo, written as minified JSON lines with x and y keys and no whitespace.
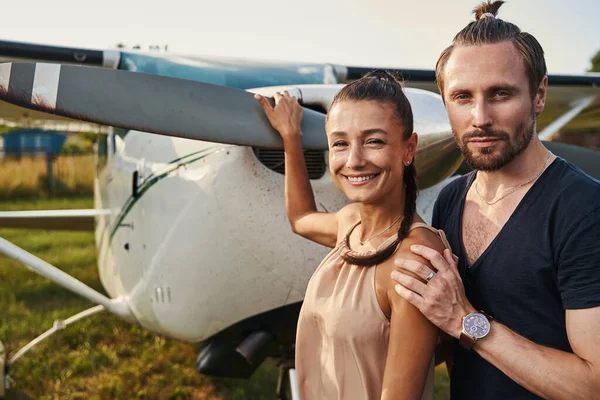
{"x":151,"y":180}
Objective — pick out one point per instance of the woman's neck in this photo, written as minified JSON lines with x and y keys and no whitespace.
{"x":376,"y":218}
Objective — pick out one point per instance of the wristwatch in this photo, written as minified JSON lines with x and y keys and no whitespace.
{"x":474,"y":327}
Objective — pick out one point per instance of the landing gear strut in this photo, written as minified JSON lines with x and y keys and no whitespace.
{"x":287,"y":385}
{"x":5,"y":381}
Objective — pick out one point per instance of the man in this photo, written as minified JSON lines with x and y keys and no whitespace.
{"x":525,"y":226}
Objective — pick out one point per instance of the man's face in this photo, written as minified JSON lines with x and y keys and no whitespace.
{"x":489,"y":103}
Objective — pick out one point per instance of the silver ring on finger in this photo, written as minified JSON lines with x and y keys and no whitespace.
{"x":430,"y":276}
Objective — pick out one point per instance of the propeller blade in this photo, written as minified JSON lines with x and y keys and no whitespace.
{"x":149,"y":103}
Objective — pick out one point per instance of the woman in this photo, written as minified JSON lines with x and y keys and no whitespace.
{"x":356,"y":338}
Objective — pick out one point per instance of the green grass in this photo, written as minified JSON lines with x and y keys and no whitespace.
{"x":100,"y":357}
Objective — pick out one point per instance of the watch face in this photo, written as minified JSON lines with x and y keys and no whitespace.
{"x":476,"y":325}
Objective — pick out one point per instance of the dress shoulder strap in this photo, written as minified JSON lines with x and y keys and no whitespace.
{"x":422,"y":225}
{"x":440,"y":233}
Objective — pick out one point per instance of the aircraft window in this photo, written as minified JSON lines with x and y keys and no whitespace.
{"x":274,"y":160}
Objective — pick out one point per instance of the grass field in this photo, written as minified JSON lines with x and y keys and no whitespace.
{"x":26,"y":177}
{"x":101,"y":357}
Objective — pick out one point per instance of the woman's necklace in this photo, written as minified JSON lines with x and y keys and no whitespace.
{"x":490,"y":203}
{"x":362,"y":242}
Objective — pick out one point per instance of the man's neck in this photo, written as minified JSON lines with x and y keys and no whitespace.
{"x":523,"y":168}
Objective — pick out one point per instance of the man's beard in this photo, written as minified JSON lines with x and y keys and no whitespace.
{"x":486,"y":160}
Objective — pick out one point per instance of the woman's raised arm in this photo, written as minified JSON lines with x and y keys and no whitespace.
{"x":305,"y":219}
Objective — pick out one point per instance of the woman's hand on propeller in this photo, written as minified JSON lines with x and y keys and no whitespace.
{"x":286,"y":116}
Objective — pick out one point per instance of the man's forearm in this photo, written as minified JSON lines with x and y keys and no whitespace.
{"x":547,"y":372}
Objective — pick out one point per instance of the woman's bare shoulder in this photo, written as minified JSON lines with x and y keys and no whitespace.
{"x":421,"y":236}
{"x":346,"y":217}
{"x":349,"y":211}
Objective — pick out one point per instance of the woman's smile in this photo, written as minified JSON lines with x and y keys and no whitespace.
{"x":359,"y":180}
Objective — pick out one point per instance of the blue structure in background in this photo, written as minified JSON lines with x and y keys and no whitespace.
{"x":30,"y":141}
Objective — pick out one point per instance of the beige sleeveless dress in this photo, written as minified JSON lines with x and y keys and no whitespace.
{"x":342,"y":337}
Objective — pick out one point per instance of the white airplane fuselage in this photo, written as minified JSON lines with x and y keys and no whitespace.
{"x":197,"y":238}
{"x":204,"y":244}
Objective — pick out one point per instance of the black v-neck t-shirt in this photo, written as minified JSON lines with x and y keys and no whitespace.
{"x":545,"y":260}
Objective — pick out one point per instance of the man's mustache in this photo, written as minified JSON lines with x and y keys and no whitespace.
{"x":485,"y":133}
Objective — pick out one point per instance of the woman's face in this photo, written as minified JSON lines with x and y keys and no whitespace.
{"x":367,"y":151}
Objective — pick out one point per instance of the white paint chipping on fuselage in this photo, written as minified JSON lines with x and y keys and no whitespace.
{"x":208,"y":244}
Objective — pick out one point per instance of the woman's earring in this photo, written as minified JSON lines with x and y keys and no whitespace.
{"x":407,"y":163}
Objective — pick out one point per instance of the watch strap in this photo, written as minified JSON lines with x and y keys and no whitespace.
{"x":488,"y":316}
{"x":467,"y":341}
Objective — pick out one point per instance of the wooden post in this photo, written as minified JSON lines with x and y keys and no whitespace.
{"x":50,"y":172}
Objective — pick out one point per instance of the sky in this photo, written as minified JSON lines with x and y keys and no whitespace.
{"x":373,"y":33}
